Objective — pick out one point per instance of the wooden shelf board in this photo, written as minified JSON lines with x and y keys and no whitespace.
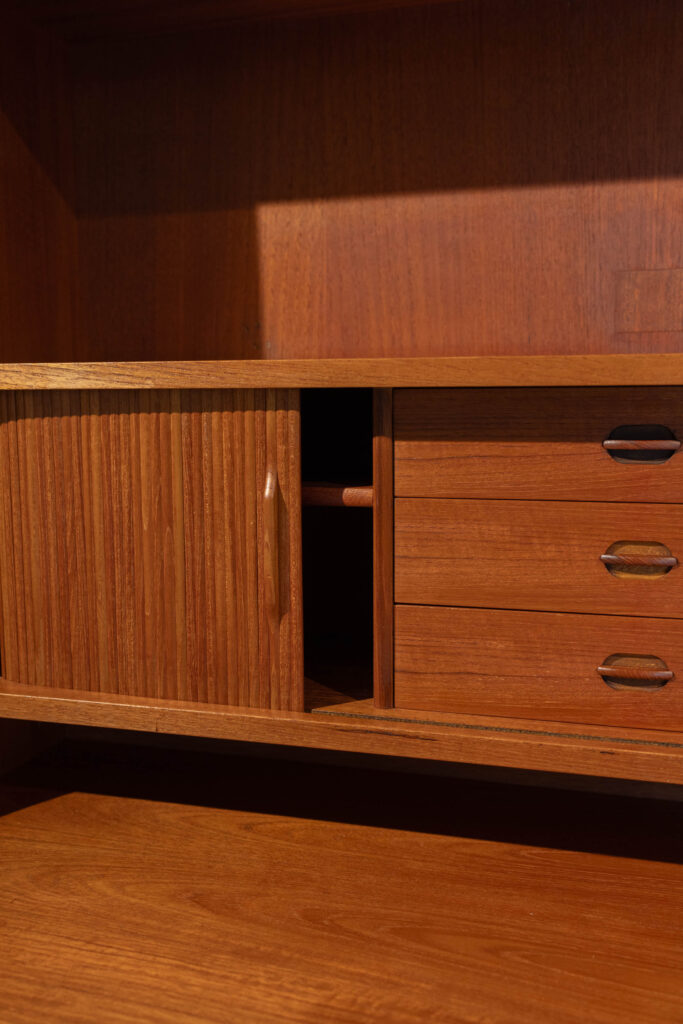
{"x":445,"y":371}
{"x":357,"y":726}
{"x":144,"y":886}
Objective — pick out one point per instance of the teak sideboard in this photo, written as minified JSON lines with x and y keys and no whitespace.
{"x":341,"y":393}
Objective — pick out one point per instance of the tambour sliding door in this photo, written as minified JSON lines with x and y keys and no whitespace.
{"x":150,"y":544}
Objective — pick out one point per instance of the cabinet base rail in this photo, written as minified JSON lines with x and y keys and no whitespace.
{"x":355,"y":726}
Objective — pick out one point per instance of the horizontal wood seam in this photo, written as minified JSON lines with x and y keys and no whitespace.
{"x":497,"y":728}
{"x":539,"y":611}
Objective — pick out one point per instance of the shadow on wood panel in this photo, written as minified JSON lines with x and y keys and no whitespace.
{"x":474,"y":94}
{"x":612,"y":825}
{"x":465,"y":96}
{"x":171,"y":146}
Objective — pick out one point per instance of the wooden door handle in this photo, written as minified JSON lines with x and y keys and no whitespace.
{"x":271,"y":554}
{"x":663,"y":561}
{"x":633,"y":675}
{"x":624,"y":445}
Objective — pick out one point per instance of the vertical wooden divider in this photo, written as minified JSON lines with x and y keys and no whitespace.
{"x":289,"y":457}
{"x":272,"y":633}
{"x":383,"y":548}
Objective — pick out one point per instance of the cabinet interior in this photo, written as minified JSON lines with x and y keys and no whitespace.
{"x":336,"y":448}
{"x":228,"y":180}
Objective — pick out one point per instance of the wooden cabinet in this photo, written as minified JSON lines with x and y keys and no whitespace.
{"x":341,"y":386}
{"x":163,"y":566}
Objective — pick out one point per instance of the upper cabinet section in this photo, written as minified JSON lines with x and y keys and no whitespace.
{"x":482,"y":177}
{"x":150,"y":544}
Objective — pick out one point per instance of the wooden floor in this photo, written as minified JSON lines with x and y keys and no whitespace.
{"x":155,"y":886}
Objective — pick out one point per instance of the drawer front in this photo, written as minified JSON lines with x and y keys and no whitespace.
{"x":539,"y":555}
{"x":535,"y":665}
{"x":536,"y":443}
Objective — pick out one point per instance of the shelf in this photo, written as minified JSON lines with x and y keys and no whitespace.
{"x":357,"y":726}
{"x":659,"y":369}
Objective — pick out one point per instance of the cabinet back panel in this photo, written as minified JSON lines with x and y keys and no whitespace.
{"x":132,"y":544}
{"x":38,"y":229}
{"x":481,"y":177}
{"x":78,"y":17}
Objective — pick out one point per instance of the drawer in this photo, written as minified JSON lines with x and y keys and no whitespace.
{"x":542,"y":555}
{"x":538,"y":665}
{"x":539,"y":443}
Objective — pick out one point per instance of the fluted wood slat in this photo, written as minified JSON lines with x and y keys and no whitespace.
{"x":131,"y":544}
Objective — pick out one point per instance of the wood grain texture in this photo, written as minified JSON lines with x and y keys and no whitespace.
{"x":533,"y":665}
{"x":614,"y":752}
{"x":132,"y":544}
{"x":383,"y":549}
{"x":532,"y":443}
{"x":293,"y":188}
{"x":38,"y":230}
{"x":532,"y":554}
{"x":80,"y":17}
{"x":492,"y":902}
{"x":650,"y":301}
{"x":462,"y":199}
{"x":400,"y":372}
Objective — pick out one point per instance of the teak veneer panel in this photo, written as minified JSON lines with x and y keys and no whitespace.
{"x":148,"y":887}
{"x":533,"y":665}
{"x":81,"y":17}
{"x":132,"y":544}
{"x":533,"y":554}
{"x":401,"y":372}
{"x":291,"y":188}
{"x":486,"y":177}
{"x":532,"y":442}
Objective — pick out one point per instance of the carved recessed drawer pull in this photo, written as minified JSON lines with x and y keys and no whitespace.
{"x":614,"y":445}
{"x":638,"y":559}
{"x":635,"y":672}
{"x":650,"y":443}
{"x":655,"y":560}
